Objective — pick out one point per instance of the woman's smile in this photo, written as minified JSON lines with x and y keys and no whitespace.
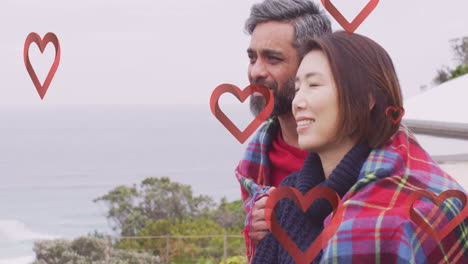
{"x":303,"y":124}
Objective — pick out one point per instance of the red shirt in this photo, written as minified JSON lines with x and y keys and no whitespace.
{"x":285,"y":159}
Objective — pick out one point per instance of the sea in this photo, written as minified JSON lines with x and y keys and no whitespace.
{"x":55,"y":159}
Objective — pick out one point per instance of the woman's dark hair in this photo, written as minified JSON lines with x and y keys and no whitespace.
{"x":363,"y":71}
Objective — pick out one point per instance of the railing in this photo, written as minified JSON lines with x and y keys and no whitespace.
{"x":437,"y":128}
{"x":166,"y":252}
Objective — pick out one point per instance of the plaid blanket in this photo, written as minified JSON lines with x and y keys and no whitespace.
{"x":253,"y":174}
{"x":376,"y":226}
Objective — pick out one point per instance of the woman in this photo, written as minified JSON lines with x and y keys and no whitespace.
{"x":344,"y":86}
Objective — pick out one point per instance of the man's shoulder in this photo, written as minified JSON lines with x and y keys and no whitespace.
{"x":258,"y":147}
{"x":268,"y":128}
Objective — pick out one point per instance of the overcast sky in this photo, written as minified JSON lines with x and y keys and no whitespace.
{"x":176,"y":52}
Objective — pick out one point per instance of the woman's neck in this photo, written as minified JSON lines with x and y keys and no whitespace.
{"x":333,"y":155}
{"x":288,"y":129}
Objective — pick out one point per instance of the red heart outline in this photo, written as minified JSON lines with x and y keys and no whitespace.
{"x":419,"y":221}
{"x":241,"y":136}
{"x":350,"y":27}
{"x":395,"y":109}
{"x":41,"y":43}
{"x":305,"y":201}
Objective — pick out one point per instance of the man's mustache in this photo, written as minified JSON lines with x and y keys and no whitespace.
{"x":271,"y":86}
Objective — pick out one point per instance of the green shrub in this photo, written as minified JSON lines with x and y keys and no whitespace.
{"x":85,"y":250}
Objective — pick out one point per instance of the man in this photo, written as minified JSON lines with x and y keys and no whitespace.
{"x":278,"y":29}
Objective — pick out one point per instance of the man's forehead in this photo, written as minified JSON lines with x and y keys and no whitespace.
{"x":273,"y":36}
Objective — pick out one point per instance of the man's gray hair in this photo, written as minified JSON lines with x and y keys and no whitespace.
{"x":306,"y":17}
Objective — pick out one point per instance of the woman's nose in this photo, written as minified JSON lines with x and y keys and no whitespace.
{"x":298,"y":102}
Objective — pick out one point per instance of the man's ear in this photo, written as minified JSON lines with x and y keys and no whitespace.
{"x":371,"y":102}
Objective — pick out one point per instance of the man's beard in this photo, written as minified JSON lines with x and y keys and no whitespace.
{"x":283,"y":98}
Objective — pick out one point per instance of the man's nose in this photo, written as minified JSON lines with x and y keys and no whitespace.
{"x":258,"y":70}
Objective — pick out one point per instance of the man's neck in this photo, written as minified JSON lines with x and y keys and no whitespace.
{"x":288,"y":127}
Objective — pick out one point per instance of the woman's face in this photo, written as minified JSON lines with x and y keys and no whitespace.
{"x":315,"y":106}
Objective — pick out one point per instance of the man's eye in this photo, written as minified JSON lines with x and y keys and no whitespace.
{"x":274,"y":59}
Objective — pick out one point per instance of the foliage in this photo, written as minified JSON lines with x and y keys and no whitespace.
{"x":162,"y":209}
{"x":446,"y":74}
{"x":458,"y":71}
{"x":84,"y":250}
{"x":460,"y":48}
{"x":443,"y":74}
{"x":230,"y":215}
{"x":172,"y":210}
{"x":235,"y":260}
{"x":186,"y":249}
{"x":131,"y":208}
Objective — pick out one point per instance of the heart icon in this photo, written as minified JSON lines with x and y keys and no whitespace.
{"x":395,"y":110}
{"x":241,"y":136}
{"x":41,"y":43}
{"x":350,"y":27}
{"x":419,"y":221}
{"x":304,"y":203}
